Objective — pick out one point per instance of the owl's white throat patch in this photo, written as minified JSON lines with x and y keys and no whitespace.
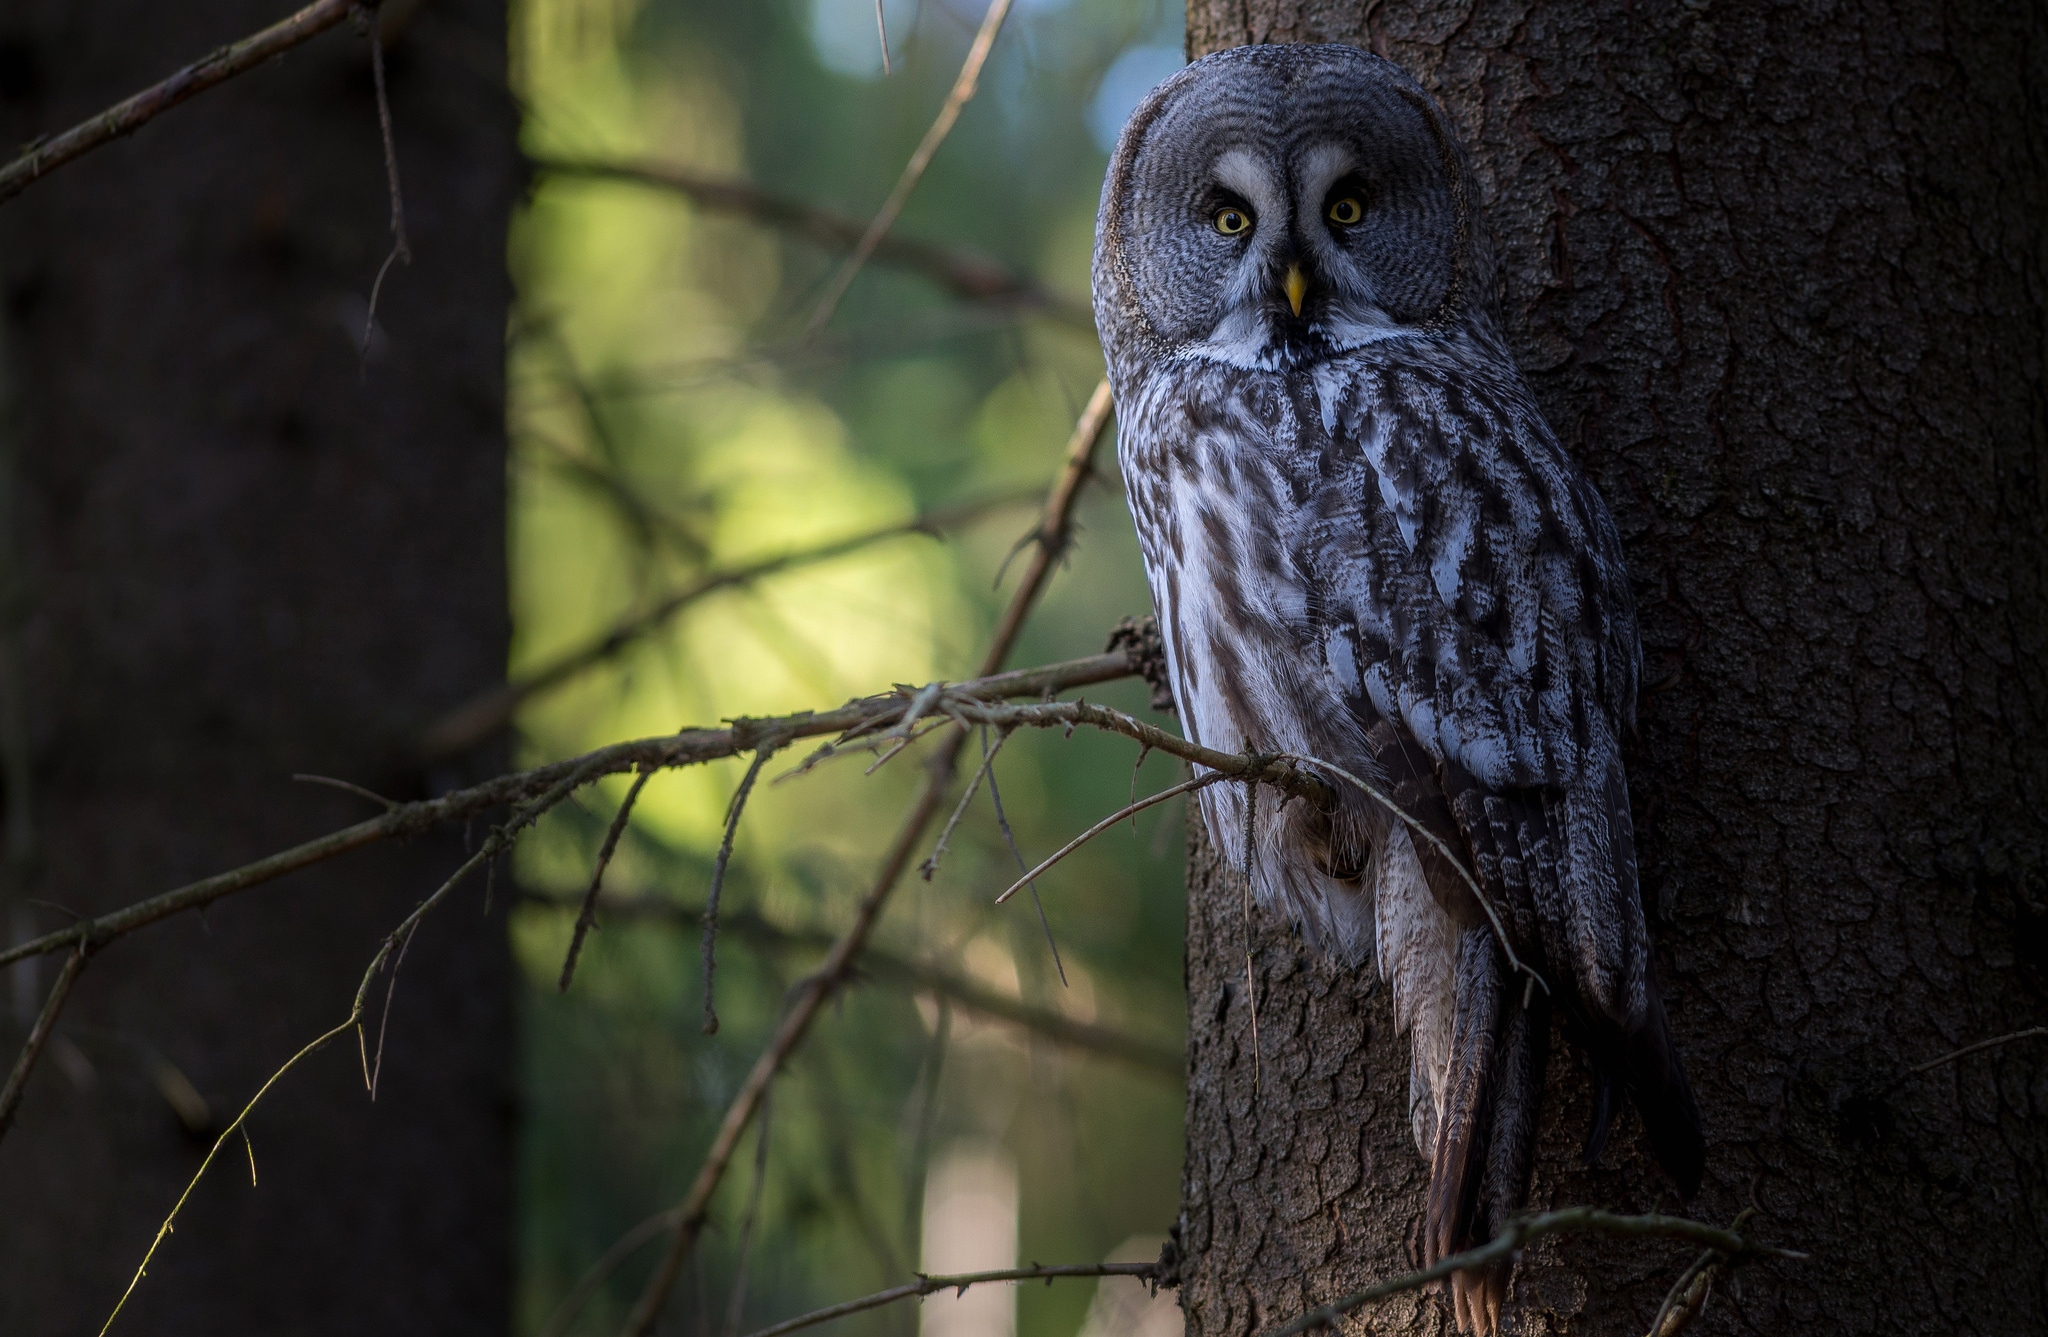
{"x":1252,"y":337}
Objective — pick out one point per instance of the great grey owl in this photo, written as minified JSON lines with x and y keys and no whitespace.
{"x":1366,"y":546}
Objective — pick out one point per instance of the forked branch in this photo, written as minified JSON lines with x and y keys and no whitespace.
{"x":690,"y":747}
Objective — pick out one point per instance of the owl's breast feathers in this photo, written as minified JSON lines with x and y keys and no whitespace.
{"x":1402,"y":519}
{"x":1387,"y":561}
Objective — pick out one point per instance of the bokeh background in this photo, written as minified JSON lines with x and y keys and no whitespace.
{"x":669,"y":421}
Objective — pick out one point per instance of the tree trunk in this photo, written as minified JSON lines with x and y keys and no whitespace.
{"x":237,"y":553}
{"x":1776,"y":273}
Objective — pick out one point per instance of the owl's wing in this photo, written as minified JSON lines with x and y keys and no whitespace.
{"x":1472,"y":600}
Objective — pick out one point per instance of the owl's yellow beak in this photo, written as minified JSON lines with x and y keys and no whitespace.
{"x":1296,"y":287}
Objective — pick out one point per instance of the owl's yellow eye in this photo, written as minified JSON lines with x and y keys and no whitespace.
{"x":1230,"y":222}
{"x":1346,"y":211}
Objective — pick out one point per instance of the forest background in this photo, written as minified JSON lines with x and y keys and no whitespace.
{"x":254,"y":523}
{"x":668,"y":419}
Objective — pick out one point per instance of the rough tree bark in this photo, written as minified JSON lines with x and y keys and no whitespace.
{"x":1776,"y":273}
{"x":236,"y":554}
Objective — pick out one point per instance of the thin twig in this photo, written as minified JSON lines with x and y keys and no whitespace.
{"x":882,"y":31}
{"x":1521,"y":1231}
{"x":348,"y":787}
{"x":401,"y":245}
{"x":237,"y":1126}
{"x":586,"y":916}
{"x":2031,"y":1033}
{"x":736,"y":1304}
{"x":481,"y":717}
{"x":838,"y":964}
{"x":568,"y":782}
{"x":923,"y":1286}
{"x":988,"y":759}
{"x":995,"y":800}
{"x":384,"y":1021}
{"x":913,"y":171}
{"x":732,"y":826}
{"x":39,"y":1035}
{"x":46,"y":155}
{"x":966,"y":275}
{"x":1172,"y":791}
{"x":901,"y":743}
{"x":401,"y":248}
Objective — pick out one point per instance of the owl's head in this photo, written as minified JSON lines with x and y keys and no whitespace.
{"x":1271,"y":205}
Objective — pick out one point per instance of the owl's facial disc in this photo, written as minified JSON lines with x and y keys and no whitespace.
{"x":1294,"y":286}
{"x":1272,"y":206}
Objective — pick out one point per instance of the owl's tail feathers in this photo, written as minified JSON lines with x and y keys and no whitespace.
{"x":1645,"y":1063}
{"x":1486,"y":1141}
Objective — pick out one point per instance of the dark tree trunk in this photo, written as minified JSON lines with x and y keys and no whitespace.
{"x":1777,"y":275}
{"x":234,"y":555}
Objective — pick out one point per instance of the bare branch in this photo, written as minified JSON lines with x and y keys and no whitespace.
{"x":348,"y":787}
{"x":718,"y":867}
{"x":688,"y":748}
{"x":586,"y":916}
{"x":975,"y":278}
{"x":39,"y":1035}
{"x":482,"y":716}
{"x":995,"y":801}
{"x":1524,"y":1230}
{"x":1129,"y":810}
{"x":2031,"y":1033}
{"x":988,"y":759}
{"x":913,"y":171}
{"x":923,"y":1286}
{"x":238,"y":1125}
{"x":401,"y":247}
{"x":46,"y":155}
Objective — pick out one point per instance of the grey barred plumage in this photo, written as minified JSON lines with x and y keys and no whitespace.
{"x":1365,"y":545}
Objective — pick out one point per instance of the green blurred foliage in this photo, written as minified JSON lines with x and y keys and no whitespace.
{"x":666,"y":423}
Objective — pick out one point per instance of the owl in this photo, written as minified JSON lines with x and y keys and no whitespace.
{"x":1365,"y":546}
